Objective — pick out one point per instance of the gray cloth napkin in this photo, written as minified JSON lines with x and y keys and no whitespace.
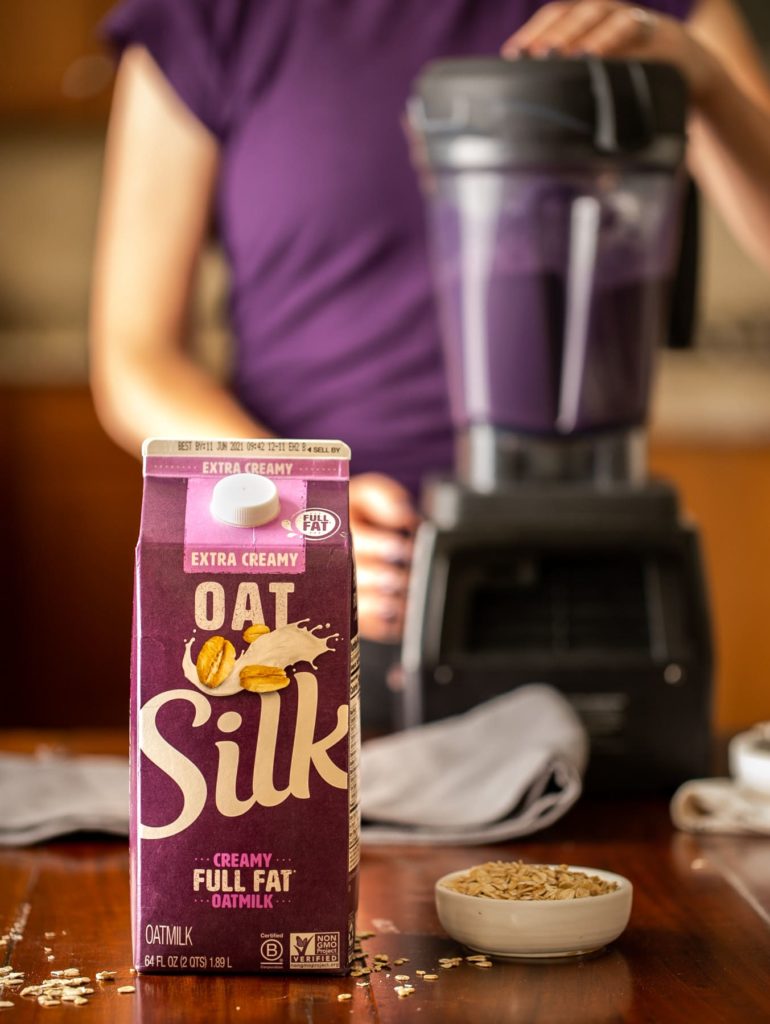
{"x":506,"y":768}
{"x":509,"y":767}
{"x":43,"y":797}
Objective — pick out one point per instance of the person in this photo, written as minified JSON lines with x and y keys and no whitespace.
{"x":283,"y":120}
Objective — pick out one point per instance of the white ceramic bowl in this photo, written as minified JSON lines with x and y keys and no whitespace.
{"x":535,"y":928}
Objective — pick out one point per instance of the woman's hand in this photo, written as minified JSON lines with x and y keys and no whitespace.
{"x":729,"y":130}
{"x":610,"y":28}
{"x":382,"y":520}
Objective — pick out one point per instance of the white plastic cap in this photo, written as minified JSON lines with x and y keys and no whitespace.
{"x":245,"y":499}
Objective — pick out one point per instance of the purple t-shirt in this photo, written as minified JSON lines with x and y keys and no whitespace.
{"x":318,"y":206}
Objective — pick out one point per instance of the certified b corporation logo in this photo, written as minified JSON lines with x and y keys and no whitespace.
{"x":271,"y":952}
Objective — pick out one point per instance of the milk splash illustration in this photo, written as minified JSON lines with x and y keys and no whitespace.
{"x":281,"y":648}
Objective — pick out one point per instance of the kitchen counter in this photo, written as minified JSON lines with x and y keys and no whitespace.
{"x":697,"y":947}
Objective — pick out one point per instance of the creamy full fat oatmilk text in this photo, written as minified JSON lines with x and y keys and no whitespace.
{"x":244,"y":712}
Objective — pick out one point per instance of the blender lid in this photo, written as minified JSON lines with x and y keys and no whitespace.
{"x":487,"y":112}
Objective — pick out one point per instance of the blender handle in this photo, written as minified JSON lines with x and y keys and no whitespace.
{"x":621,"y":86}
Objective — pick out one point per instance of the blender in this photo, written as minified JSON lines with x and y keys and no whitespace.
{"x":554,"y":190}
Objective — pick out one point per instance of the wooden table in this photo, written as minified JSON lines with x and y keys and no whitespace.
{"x":697,"y":948}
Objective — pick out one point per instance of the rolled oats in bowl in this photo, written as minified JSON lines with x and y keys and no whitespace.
{"x":515,"y":880}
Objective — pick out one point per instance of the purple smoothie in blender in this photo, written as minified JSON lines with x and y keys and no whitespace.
{"x":553,"y":240}
{"x":552,"y":297}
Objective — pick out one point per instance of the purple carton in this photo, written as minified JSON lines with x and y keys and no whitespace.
{"x":244,"y":710}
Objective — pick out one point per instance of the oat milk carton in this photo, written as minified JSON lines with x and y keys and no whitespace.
{"x":244,"y":719}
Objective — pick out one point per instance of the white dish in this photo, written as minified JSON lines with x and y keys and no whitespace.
{"x":535,"y":928}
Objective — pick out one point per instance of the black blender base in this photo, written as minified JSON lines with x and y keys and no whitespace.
{"x":600,"y":594}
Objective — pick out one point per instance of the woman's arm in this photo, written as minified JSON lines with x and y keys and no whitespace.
{"x":730,"y":127}
{"x":729,"y":149}
{"x":160,"y":167}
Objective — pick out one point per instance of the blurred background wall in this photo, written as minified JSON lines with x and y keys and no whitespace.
{"x":70,"y":499}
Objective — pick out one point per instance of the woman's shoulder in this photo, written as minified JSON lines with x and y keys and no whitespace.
{"x":218,"y":24}
{"x":211,"y":51}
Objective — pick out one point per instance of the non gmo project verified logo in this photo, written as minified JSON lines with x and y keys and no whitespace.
{"x":314,"y":949}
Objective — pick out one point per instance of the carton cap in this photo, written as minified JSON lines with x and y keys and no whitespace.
{"x":245,"y":499}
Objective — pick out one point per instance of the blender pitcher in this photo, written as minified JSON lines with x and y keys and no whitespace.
{"x":554,"y":196}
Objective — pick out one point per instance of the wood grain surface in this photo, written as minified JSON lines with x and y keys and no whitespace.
{"x":697,"y":948}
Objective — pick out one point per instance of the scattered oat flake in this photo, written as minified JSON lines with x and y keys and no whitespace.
{"x":402,"y":977}
{"x":482,"y":963}
{"x":6,"y":1004}
{"x":515,"y":880}
{"x":80,"y":1001}
{"x":343,"y":997}
{"x":430,"y":977}
{"x":71,"y":972}
{"x":50,"y":935}
{"x":106,"y":975}
{"x":126,"y":990}
{"x":402,"y":991}
{"x":363,"y":984}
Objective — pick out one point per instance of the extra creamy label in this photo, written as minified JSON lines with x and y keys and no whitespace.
{"x":274,"y":547}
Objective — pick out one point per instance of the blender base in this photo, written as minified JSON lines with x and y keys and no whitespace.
{"x":598,"y":592}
